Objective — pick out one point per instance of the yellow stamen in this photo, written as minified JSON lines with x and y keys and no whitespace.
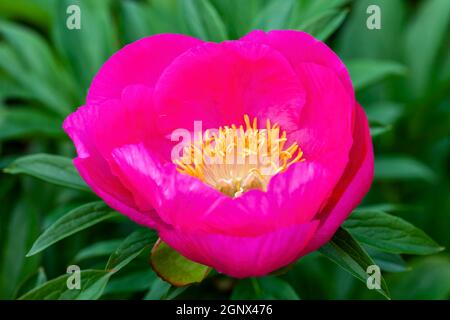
{"x":238,"y":159}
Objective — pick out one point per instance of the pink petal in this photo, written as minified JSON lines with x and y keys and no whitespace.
{"x":219,"y":83}
{"x":140,"y":62}
{"x":352,"y":187}
{"x":189,"y":205}
{"x":242,"y":257}
{"x":299,"y":47}
{"x":326,"y":121}
{"x":107,"y":187}
{"x":97,"y":129}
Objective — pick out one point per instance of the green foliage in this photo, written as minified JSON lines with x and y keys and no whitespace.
{"x":174,"y":268}
{"x":401,"y":74}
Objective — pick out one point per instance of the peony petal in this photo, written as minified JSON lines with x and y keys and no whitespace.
{"x":190,"y":205}
{"x":299,"y":47}
{"x":242,"y":257}
{"x":219,"y":83}
{"x":140,"y":62}
{"x":97,"y":129}
{"x":326,"y":121}
{"x":352,"y":187}
{"x":107,"y":187}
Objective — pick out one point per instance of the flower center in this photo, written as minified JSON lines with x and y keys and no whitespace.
{"x":234,"y":159}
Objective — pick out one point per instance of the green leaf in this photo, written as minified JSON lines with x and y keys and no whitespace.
{"x":93,"y":283}
{"x":332,"y":25}
{"x":276,"y":15}
{"x":389,"y":233}
{"x":377,"y":128}
{"x":134,"y":282}
{"x":203,"y":21}
{"x":50,"y":168}
{"x":267,"y":288}
{"x":34,"y":67}
{"x":74,"y":221}
{"x":367,"y":72}
{"x":98,"y":249}
{"x":174,"y":268}
{"x":346,"y":252}
{"x":158,"y":290}
{"x":388,"y":262}
{"x":131,"y":247}
{"x":425,"y":36}
{"x":402,"y":168}
{"x":18,"y":123}
{"x":429,"y":279}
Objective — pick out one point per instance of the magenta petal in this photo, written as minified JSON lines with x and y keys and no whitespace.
{"x":190,"y":205}
{"x":352,"y":187}
{"x":243,"y":256}
{"x":299,"y":47}
{"x":219,"y":83}
{"x":140,"y":62}
{"x":107,"y":187}
{"x":326,"y":121}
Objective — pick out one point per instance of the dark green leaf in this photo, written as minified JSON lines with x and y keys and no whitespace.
{"x":402,"y":168}
{"x":389,"y":233}
{"x":267,"y":288}
{"x":74,"y":221}
{"x":347,"y":253}
{"x":51,"y":168}
{"x":93,"y":283}
{"x":131,"y":247}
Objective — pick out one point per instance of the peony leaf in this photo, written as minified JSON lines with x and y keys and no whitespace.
{"x":402,"y":168}
{"x":174,"y":268}
{"x":54,"y":169}
{"x":267,"y":288}
{"x":76,"y":220}
{"x":98,"y":249}
{"x":92,"y":284}
{"x":130,"y":248}
{"x":20,"y":123}
{"x":389,"y":233}
{"x":429,"y":279}
{"x":203,"y":21}
{"x":158,"y":290}
{"x":388,"y":262}
{"x":346,"y":252}
{"x":367,"y":72}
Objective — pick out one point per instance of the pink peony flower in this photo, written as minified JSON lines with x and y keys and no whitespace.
{"x":242,"y":218}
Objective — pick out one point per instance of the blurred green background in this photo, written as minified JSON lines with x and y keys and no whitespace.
{"x":401,"y":74}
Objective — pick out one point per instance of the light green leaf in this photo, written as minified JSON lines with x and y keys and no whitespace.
{"x":267,"y":288}
{"x":74,"y":221}
{"x":367,"y":72}
{"x":174,"y":268}
{"x":402,"y":168}
{"x":51,"y":168}
{"x":389,"y":233}
{"x":346,"y":252}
